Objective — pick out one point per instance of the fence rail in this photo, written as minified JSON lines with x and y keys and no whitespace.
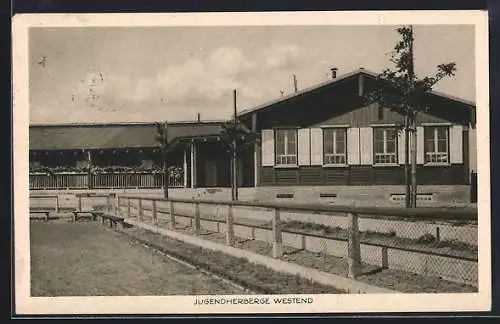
{"x":436,"y":242}
{"x":101,"y":181}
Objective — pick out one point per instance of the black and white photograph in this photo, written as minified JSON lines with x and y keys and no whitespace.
{"x":251,"y":162}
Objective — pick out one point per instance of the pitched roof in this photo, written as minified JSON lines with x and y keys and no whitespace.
{"x":103,"y":136}
{"x":338,"y":80}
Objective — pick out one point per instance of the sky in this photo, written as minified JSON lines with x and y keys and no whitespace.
{"x":145,"y":74}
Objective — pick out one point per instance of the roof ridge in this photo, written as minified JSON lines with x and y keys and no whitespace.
{"x":337,"y":79}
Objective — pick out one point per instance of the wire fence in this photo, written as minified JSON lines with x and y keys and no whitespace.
{"x":439,"y":243}
{"x":432,"y":242}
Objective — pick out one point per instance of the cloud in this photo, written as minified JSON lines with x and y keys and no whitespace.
{"x":190,"y":86}
{"x":194,"y":81}
{"x":283,"y":57}
{"x":229,"y":61}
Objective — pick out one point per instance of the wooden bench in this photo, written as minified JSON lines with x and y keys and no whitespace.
{"x":93,"y":213}
{"x":114,"y":220}
{"x":46,"y":212}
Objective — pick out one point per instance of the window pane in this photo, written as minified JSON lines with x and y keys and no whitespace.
{"x":391,"y":134}
{"x":340,"y":147}
{"x":378,"y":134}
{"x":328,"y":141}
{"x":429,"y":146}
{"x":340,"y":140}
{"x":429,"y":133}
{"x":442,"y":132}
{"x":280,"y":142}
{"x":379,"y":147}
{"x":442,"y":146}
{"x":292,"y":141}
{"x":391,"y":146}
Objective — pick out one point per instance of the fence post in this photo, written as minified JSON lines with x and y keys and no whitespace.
{"x":303,"y":245}
{"x":229,"y":226}
{"x":438,"y":234}
{"x":277,"y":238}
{"x":139,"y":210}
{"x":79,"y":203}
{"x":172,"y":215}
{"x":385,"y":258}
{"x":118,"y":205}
{"x":108,"y":203}
{"x":353,"y":246}
{"x":128,"y":207}
{"x":155,"y":217}
{"x":57,"y":203}
{"x":114,"y":205}
{"x":197,"y":228}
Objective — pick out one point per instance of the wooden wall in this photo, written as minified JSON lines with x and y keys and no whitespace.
{"x":361,"y":176}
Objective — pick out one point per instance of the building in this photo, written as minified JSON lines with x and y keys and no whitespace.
{"x":124,"y":155}
{"x":320,"y":143}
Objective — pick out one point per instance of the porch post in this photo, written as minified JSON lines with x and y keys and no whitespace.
{"x":185,"y":168}
{"x":193,"y":165}
{"x":256,"y":154}
{"x":89,"y":172}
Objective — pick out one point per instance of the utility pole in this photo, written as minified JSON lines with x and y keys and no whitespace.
{"x":234,"y":191}
{"x":408,"y":200}
{"x":295,"y":87}
{"x":413,"y":126}
{"x":161,"y":136}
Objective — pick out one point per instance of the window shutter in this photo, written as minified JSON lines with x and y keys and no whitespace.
{"x":401,"y":146}
{"x":316,"y":146}
{"x":267,"y":147}
{"x":366,"y":144}
{"x":353,"y":146}
{"x":456,"y":145}
{"x":420,"y":145}
{"x":304,"y":146}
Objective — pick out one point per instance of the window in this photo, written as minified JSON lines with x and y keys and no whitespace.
{"x":385,"y":143}
{"x":436,"y":141}
{"x":334,"y":146}
{"x":286,"y":146}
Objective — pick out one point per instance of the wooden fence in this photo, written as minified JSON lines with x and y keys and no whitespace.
{"x":199,"y":215}
{"x":101,"y":181}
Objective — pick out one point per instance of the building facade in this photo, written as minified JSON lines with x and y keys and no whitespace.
{"x":322,"y":141}
{"x":328,"y":136}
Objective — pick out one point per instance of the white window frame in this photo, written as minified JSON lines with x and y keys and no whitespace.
{"x":435,"y":153}
{"x":334,"y":155}
{"x":285,"y":156}
{"x":385,"y":154}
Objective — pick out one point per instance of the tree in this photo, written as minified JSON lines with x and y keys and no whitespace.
{"x":402,"y":91}
{"x":161,"y":137}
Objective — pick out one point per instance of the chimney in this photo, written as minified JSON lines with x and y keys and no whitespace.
{"x":295,"y":88}
{"x":334,"y":72}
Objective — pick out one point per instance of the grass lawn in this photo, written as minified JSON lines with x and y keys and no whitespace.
{"x":84,"y":259}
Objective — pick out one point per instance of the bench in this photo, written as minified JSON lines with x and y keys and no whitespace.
{"x":40,"y":211}
{"x":114,"y":220}
{"x":48,"y":210}
{"x":93,"y":213}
